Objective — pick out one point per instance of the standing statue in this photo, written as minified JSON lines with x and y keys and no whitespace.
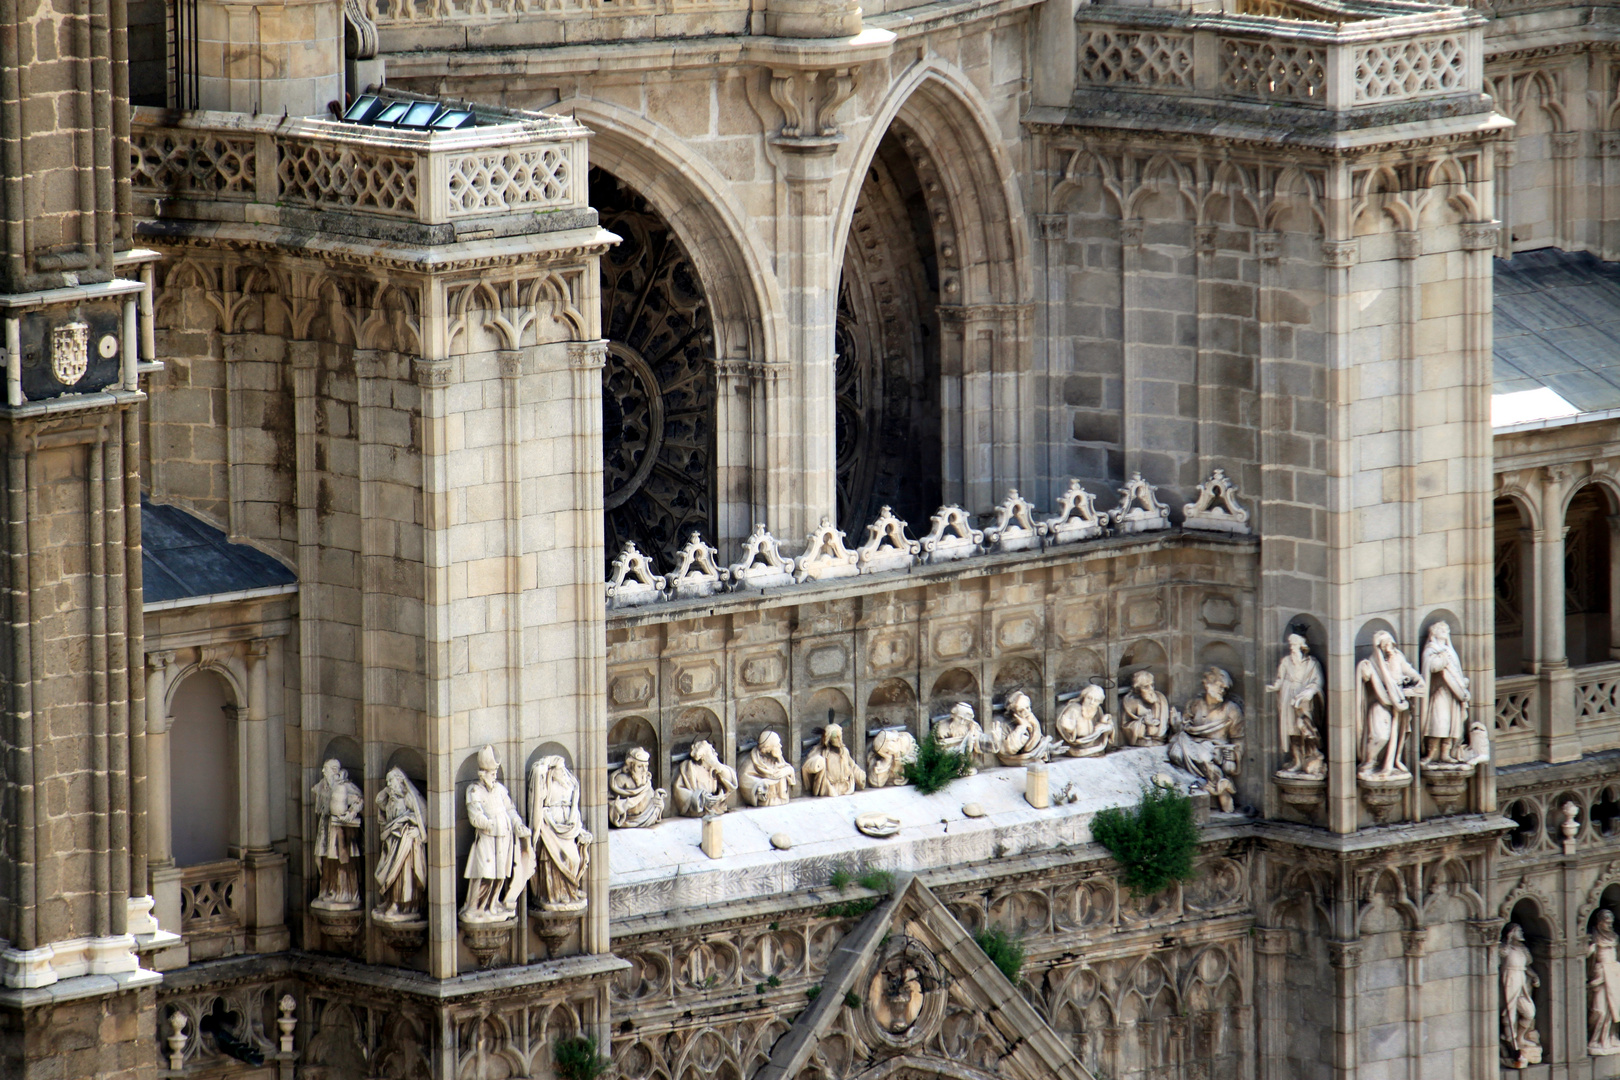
{"x":960,"y":733}
{"x":1299,"y":703}
{"x":502,"y":855}
{"x":768,"y":777}
{"x":1386,"y":687}
{"x":831,"y":769}
{"x":1445,"y":721}
{"x":1603,"y":986}
{"x":338,"y":807}
{"x":1521,"y":1044}
{"x":633,"y":802}
{"x":891,"y":752}
{"x":703,"y":783}
{"x":1147,"y":715}
{"x":402,"y":861}
{"x":1208,"y":738}
{"x":563,"y":851}
{"x":1083,"y":725}
{"x":1018,"y":740}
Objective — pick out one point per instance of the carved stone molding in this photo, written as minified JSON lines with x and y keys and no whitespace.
{"x":1481,"y":235}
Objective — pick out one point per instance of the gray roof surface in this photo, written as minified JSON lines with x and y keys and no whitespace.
{"x":1558,"y":326}
{"x":183,"y":556}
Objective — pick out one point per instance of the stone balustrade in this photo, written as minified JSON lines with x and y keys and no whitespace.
{"x":268,"y":170}
{"x":1329,"y":56}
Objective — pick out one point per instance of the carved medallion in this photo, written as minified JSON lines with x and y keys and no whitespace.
{"x":70,"y":352}
{"x":905,"y":995}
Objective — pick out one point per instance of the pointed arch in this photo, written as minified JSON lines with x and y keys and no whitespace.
{"x":954,"y":124}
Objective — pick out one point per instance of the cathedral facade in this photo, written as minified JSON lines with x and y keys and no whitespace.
{"x":500,"y":496}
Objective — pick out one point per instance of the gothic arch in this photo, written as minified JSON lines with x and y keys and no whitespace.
{"x":731,"y":257}
{"x":953,"y":124}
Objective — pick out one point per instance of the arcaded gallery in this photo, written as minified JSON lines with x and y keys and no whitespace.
{"x":801,"y":540}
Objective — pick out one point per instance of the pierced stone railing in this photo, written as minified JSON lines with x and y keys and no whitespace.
{"x":1303,"y":53}
{"x":206,"y":162}
{"x":1517,"y":726}
{"x":211,"y":897}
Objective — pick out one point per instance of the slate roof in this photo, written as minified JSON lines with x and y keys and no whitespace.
{"x":1558,"y":326}
{"x":183,"y":557}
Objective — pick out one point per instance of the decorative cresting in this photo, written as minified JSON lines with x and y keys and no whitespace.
{"x":658,"y":385}
{"x":825,"y":556}
{"x":518,"y":163}
{"x":1336,"y":56}
{"x":633,"y":579}
{"x":1139,"y":508}
{"x":1216,"y":508}
{"x":1015,"y":528}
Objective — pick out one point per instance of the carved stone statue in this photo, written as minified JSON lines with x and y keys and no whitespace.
{"x":402,"y":861}
{"x":338,"y":807}
{"x":563,"y":848}
{"x":1521,"y":1043}
{"x":1147,"y":715}
{"x":1445,"y":720}
{"x":502,"y":855}
{"x":1083,"y":725}
{"x":1018,"y":740}
{"x":1299,"y":701}
{"x":767,"y":777}
{"x":831,"y":769}
{"x":960,"y":733}
{"x":703,"y":783}
{"x":1208,"y":741}
{"x":886,"y":763}
{"x":1603,"y":986}
{"x":633,"y":802}
{"x":1386,"y":686}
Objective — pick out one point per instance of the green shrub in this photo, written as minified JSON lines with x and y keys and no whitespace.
{"x":814,"y":992}
{"x":935,"y":766}
{"x":878,"y":881}
{"x":852,"y":1000}
{"x":1005,"y":950}
{"x":842,"y":878}
{"x":851,"y":909}
{"x":1154,"y":842}
{"x":577,"y":1059}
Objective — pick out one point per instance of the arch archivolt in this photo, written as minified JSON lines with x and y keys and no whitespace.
{"x":977,"y":209}
{"x":732,"y":258}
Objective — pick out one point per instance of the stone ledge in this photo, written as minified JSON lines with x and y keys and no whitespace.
{"x":78,"y":988}
{"x":662,"y":870}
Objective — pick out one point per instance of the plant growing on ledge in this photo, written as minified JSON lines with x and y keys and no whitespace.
{"x":1005,"y":950}
{"x":577,"y":1059}
{"x":935,"y":766}
{"x":1154,"y":842}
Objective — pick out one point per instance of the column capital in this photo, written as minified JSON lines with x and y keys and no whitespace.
{"x":1408,"y":244}
{"x":1345,"y":954}
{"x":587,"y":355}
{"x":1340,"y":254}
{"x":1481,"y":235}
{"x":1486,"y":931}
{"x":160,"y":659}
{"x":1052,"y":226}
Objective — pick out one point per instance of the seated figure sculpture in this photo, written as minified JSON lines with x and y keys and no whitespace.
{"x":1083,"y":725}
{"x":703,"y":783}
{"x":1208,"y":738}
{"x":1148,"y":717}
{"x":960,"y":733}
{"x":633,"y":802}
{"x":831,"y":769}
{"x":767,"y":778}
{"x":891,"y":752}
{"x":1018,"y":739}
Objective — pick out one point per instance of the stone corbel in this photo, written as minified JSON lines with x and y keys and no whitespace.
{"x":1608,"y":143}
{"x":587,"y":355}
{"x":1268,"y":246}
{"x":809,"y":99}
{"x":355,"y":13}
{"x":1340,"y":254}
{"x":1481,"y":235}
{"x":431,"y":374}
{"x":1052,"y":226}
{"x":1408,"y":244}
{"x":1566,"y":144}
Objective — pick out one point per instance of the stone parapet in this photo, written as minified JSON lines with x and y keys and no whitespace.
{"x":1322,"y":57}
{"x":509,"y":174}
